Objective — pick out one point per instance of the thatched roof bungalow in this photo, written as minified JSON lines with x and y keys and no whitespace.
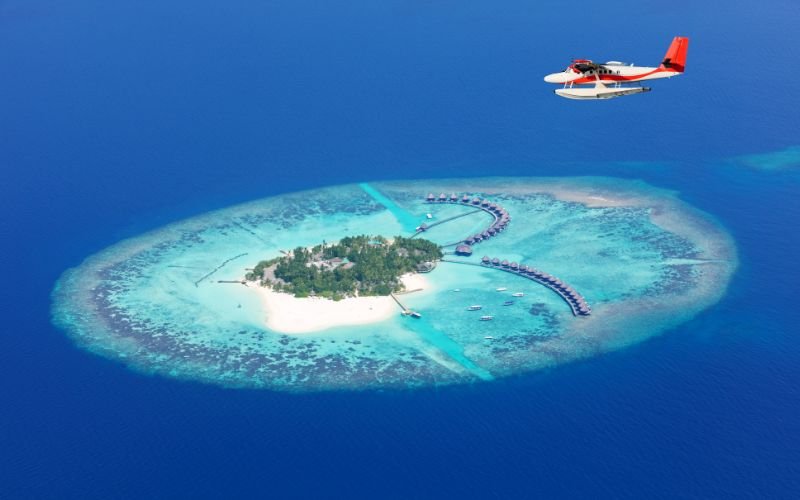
{"x":465,"y":250}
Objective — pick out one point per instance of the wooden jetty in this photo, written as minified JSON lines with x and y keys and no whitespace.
{"x":500,"y":219}
{"x":405,"y":310}
{"x":575,"y":300}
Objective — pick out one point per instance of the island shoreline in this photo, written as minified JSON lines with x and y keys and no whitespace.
{"x":287,"y":314}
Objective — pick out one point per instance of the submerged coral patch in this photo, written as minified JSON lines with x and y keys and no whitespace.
{"x":175,"y":301}
{"x":788,"y":158}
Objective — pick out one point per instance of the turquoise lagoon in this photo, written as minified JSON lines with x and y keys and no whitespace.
{"x":645,"y":261}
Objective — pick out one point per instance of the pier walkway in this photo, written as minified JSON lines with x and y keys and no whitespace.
{"x":500,"y":218}
{"x":425,"y":227}
{"x":576,"y":302}
{"x":406,"y":310}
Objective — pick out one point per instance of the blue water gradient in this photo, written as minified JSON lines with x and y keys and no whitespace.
{"x":120,"y":117}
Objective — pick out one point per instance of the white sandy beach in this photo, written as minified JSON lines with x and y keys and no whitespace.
{"x":288,"y":314}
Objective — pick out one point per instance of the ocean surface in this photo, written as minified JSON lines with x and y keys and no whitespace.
{"x":120,"y":117}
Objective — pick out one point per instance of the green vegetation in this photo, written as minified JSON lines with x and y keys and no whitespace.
{"x":358,"y":265}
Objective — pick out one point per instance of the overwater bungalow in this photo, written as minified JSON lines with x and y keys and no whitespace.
{"x":453,"y":197}
{"x":464,"y":250}
{"x":486,"y":260}
{"x":514,"y":266}
{"x":442,"y":197}
{"x":476,"y":201}
{"x":505,"y":263}
{"x":465,"y":199}
{"x":495,"y":261}
{"x":430,"y":198}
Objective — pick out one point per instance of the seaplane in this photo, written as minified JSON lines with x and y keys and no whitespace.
{"x":585,"y":79}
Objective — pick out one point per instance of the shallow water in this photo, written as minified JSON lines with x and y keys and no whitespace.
{"x":644,"y":261}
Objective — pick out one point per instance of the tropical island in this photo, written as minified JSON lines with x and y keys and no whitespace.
{"x":356,"y":266}
{"x":172,"y":301}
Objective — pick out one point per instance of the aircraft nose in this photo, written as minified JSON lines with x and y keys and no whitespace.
{"x":552,"y":78}
{"x":562,"y":77}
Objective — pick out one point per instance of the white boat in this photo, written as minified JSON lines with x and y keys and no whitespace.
{"x":430,"y":216}
{"x":501,"y":289}
{"x":474,"y":308}
{"x":489,"y":337}
{"x":518,"y":294}
{"x":487,"y":318}
{"x":456,"y":289}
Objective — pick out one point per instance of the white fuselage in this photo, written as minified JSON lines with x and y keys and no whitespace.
{"x":585,"y":79}
{"x":610,"y":73}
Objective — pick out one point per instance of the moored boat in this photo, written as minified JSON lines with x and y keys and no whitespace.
{"x":487,"y":318}
{"x":474,"y":308}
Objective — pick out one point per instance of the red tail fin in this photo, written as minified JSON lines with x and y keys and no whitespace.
{"x":675,"y":58}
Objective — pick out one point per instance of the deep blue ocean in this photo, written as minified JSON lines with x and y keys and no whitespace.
{"x":118,"y":116}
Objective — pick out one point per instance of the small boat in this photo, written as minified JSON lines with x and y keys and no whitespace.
{"x":430,"y":216}
{"x":518,"y":294}
{"x":456,"y":289}
{"x":415,"y":314}
{"x":487,"y":318}
{"x":501,"y":289}
{"x":508,"y":303}
{"x":489,"y":337}
{"x":474,"y":308}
